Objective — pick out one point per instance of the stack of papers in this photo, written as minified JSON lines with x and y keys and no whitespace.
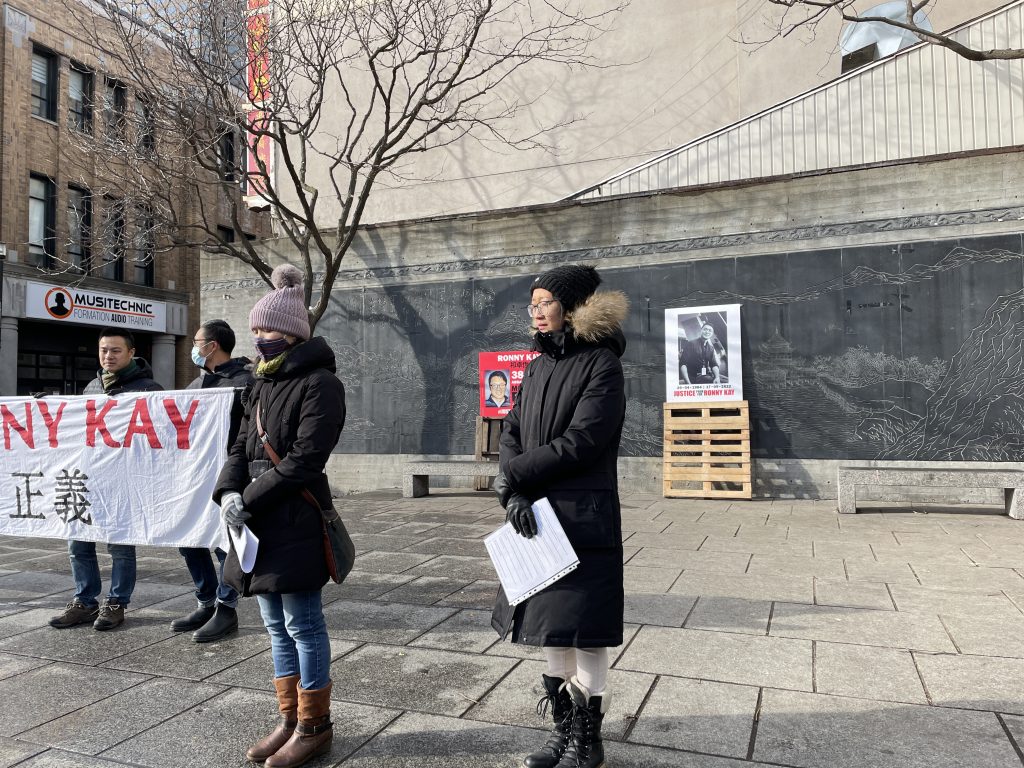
{"x":526,"y":566}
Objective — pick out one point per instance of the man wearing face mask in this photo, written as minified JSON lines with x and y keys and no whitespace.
{"x":215,"y":617}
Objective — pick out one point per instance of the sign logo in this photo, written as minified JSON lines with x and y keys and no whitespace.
{"x":68,"y":304}
{"x":59,"y":303}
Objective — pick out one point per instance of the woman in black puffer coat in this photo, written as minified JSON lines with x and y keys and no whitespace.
{"x":301,"y":408}
{"x":561,"y":441}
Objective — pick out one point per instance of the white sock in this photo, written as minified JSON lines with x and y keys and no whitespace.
{"x":561,"y":661}
{"x":592,"y":669}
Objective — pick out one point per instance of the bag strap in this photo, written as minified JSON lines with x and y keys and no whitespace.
{"x":262,"y":435}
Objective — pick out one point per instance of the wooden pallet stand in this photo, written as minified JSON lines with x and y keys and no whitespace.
{"x":707,"y":450}
{"x":488,"y":431}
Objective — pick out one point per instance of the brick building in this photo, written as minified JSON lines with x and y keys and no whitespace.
{"x":82,"y":246}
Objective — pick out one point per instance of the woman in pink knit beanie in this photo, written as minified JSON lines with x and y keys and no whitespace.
{"x":296,"y":410}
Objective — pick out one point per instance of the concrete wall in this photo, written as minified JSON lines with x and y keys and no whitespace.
{"x":815,"y":257}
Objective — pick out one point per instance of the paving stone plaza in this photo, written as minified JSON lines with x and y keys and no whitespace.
{"x":758,"y":633}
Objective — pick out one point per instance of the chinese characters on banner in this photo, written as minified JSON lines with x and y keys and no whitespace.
{"x":501,"y":375}
{"x":138,"y":468}
{"x":260,"y":156}
{"x":702,"y":354}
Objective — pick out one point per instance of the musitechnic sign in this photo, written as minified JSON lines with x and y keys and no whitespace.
{"x":64,"y":303}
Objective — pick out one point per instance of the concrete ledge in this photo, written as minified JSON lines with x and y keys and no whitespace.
{"x":773,"y":478}
{"x":1009,"y":480}
{"x":365,"y":472}
{"x":416,"y":474}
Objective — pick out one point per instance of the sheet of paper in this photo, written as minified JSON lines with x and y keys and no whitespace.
{"x":526,"y":566}
{"x":246,"y":544}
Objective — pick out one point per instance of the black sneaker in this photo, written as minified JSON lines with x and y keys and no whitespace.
{"x":111,"y":615}
{"x":76,"y":613}
{"x":194,"y":620}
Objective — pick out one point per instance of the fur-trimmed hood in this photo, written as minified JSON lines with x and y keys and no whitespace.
{"x":599,"y":316}
{"x":598,"y":320}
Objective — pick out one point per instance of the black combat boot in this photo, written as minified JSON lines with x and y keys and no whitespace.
{"x":585,"y":749}
{"x":560,"y":703}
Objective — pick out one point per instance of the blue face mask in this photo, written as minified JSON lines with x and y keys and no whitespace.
{"x":270,"y":348}
{"x":198,"y":359}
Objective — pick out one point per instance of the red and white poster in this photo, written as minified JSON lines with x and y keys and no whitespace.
{"x":260,"y":155}
{"x":501,"y":375}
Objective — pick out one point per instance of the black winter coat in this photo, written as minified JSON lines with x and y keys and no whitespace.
{"x":236,"y":373}
{"x":302,"y":409}
{"x":140,"y":381}
{"x":561,"y":440}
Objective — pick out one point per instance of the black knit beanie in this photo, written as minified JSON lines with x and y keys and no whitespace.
{"x":571,"y":284}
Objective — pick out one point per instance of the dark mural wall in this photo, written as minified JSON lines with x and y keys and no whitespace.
{"x":911,"y":351}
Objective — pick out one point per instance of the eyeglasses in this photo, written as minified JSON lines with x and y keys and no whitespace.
{"x":540,"y":306}
{"x":497,"y":385}
{"x":201,"y":342}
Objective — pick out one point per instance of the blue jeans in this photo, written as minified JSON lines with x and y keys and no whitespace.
{"x":86,"y":571}
{"x":299,"y":644}
{"x":209,"y":581}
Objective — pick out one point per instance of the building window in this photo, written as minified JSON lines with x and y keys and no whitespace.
{"x":80,"y":95}
{"x":110,"y":264}
{"x":243,"y":167}
{"x":115,"y":104}
{"x":42,"y":216}
{"x":141,"y":270}
{"x":79,"y":228}
{"x":144,"y":128}
{"x":225,"y":234}
{"x":44,"y":84}
{"x":227,"y":156}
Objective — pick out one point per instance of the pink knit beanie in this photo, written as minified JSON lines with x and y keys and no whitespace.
{"x":283,"y":309}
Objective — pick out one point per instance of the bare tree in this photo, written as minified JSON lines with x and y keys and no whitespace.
{"x":308,"y":104}
{"x":808,"y":13}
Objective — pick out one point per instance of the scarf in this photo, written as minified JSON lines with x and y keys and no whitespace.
{"x":271,"y":366}
{"x":110,"y":378}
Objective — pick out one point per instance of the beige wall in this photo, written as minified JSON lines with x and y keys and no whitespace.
{"x":683,"y":69}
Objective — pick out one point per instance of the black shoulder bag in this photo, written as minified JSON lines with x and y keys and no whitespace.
{"x":339,"y":551}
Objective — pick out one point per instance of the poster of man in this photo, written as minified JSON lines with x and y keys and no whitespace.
{"x":501,"y":374}
{"x":702,"y":353}
{"x":497,"y":389}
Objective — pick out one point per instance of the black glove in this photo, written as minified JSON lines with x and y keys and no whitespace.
{"x":502,"y":488}
{"x":519,"y":512}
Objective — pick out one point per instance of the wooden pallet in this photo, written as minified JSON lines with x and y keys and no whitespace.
{"x":488,"y":431}
{"x":707,"y":450}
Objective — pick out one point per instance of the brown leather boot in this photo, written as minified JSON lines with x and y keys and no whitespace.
{"x":314,"y":733}
{"x":288,"y":703}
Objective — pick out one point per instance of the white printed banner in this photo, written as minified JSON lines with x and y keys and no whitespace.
{"x":137,"y":468}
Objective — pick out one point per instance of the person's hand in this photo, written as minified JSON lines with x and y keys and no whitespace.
{"x":519,"y":513}
{"x":232,"y":510}
{"x":502,"y":488}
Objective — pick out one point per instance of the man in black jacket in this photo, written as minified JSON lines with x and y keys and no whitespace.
{"x":215,"y":617}
{"x":120,"y":371}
